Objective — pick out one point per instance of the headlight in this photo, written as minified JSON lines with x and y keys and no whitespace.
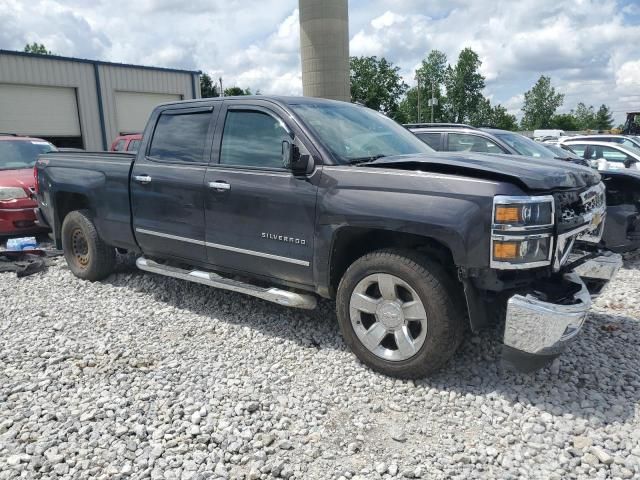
{"x":522,"y":232}
{"x":513,"y":213}
{"x":11,"y":193}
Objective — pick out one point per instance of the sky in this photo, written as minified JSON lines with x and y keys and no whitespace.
{"x":589,"y":48}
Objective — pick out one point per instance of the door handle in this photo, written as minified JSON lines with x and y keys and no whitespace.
{"x":220,"y":186}
{"x":144,"y":179}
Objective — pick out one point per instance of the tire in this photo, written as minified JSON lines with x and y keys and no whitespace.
{"x":426,"y":347}
{"x":87,"y":255}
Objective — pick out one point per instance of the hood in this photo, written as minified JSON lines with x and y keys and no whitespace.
{"x":17,"y":178}
{"x":532,"y":173}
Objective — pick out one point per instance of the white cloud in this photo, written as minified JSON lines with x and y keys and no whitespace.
{"x":588,"y":47}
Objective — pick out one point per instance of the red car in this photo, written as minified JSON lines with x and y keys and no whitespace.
{"x":127,"y":143}
{"x":17,"y":184}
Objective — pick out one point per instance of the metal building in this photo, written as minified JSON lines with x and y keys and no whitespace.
{"x":80,"y":103}
{"x":324,"y":47}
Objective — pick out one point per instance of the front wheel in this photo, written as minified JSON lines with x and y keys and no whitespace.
{"x":87,"y":255}
{"x":400,"y":313}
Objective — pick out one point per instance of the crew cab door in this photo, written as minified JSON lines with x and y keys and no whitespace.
{"x":167,"y":190}
{"x":260,"y":218}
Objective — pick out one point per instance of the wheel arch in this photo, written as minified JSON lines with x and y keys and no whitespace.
{"x":350,"y":243}
{"x":65,"y":203}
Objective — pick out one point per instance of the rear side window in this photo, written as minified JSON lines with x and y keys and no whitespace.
{"x":252,"y":139}
{"x":180,"y":137}
{"x":119,"y":146}
{"x":431,"y":139}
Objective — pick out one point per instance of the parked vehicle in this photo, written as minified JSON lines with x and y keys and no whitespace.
{"x":290,"y":198}
{"x":624,"y":140}
{"x":623,"y":211}
{"x":548,"y":133}
{"x":632,"y":124}
{"x":566,"y":154}
{"x":17,"y":158}
{"x":605,"y":155}
{"x":127,"y":143}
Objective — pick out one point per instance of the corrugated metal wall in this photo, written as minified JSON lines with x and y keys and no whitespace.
{"x":118,"y":79}
{"x":21,"y":69}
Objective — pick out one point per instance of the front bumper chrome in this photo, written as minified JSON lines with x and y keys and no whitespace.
{"x":538,"y":327}
{"x":536,"y":331}
{"x":597,"y":272}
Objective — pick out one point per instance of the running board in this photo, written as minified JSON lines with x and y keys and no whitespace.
{"x":271,"y":294}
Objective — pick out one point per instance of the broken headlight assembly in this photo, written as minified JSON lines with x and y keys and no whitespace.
{"x":522,"y":232}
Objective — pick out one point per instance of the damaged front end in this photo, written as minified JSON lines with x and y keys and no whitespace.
{"x":545,"y":316}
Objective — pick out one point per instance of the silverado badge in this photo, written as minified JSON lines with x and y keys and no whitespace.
{"x":284,"y":238}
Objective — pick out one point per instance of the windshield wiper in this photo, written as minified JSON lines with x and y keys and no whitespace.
{"x":361,"y":160}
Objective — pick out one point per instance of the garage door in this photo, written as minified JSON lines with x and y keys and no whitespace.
{"x":43,"y":111}
{"x":133,"y":109}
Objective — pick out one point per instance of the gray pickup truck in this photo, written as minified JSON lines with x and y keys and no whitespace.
{"x":290,"y":199}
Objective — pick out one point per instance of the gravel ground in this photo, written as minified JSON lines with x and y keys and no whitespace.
{"x":142,"y":376}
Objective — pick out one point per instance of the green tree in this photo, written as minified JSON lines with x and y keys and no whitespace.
{"x":377,"y":84}
{"x":236,"y":91}
{"x":497,"y":116}
{"x":36,"y":47}
{"x":208,"y":88}
{"x":481,"y":116}
{"x":500,"y":118}
{"x":408,"y":107}
{"x":540,"y":104}
{"x":464,"y":84}
{"x":604,"y":118}
{"x":564,"y":121}
{"x":431,"y":74}
{"x":585,"y":116}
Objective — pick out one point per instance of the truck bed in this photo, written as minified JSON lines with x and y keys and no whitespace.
{"x":102,"y":178}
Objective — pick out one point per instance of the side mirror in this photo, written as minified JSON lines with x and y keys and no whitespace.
{"x":293,"y":160}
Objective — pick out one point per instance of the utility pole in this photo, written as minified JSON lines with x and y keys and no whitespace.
{"x":221,"y":90}
{"x":432,"y":99}
{"x":419,"y":115}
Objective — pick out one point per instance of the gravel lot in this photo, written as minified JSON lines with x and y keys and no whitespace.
{"x":142,"y":376}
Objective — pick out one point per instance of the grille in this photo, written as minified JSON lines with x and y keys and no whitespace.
{"x":575,"y":206}
{"x":580,"y":217}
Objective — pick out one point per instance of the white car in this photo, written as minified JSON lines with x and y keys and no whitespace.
{"x":624,"y":140}
{"x":605,"y":155}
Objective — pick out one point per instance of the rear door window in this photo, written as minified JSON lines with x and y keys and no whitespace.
{"x":119,"y":146}
{"x":180,"y":137}
{"x":463,"y":142}
{"x":432,"y":139}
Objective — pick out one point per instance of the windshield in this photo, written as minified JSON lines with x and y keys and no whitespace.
{"x":525,"y":146}
{"x":354,"y":133}
{"x":17,"y":154}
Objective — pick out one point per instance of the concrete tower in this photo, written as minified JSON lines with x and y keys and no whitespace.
{"x":324,"y":46}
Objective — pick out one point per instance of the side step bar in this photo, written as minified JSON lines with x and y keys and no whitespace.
{"x":271,"y":294}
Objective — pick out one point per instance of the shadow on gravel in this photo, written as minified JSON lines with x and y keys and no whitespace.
{"x":597,"y":379}
{"x":310,"y":328}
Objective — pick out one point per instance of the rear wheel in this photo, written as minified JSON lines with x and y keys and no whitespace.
{"x":87,"y":255}
{"x":398,"y":313}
